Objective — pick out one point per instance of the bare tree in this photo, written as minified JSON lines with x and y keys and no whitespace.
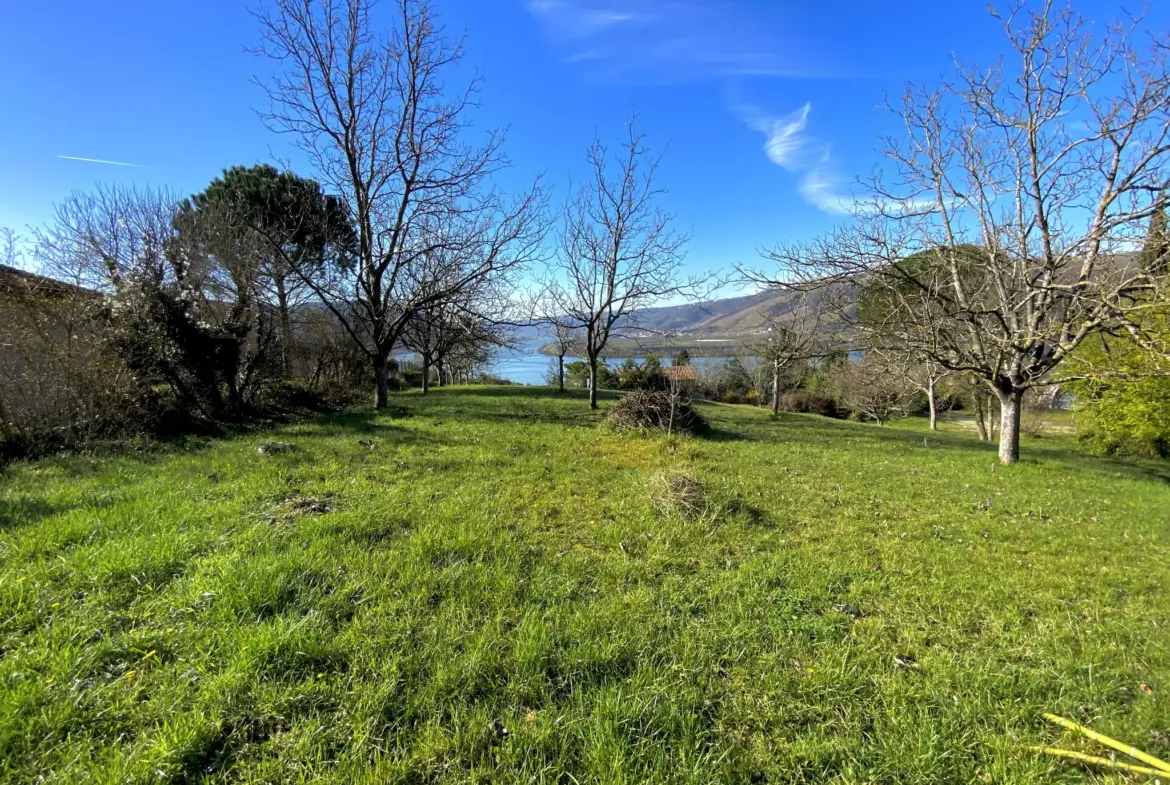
{"x":871,"y":389}
{"x":565,"y":339}
{"x":372,"y":113}
{"x":791,"y":340}
{"x":921,"y":374}
{"x":617,"y":252}
{"x":1003,"y":241}
{"x":451,"y":333}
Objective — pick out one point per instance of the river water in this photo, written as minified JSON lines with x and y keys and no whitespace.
{"x":526,"y":365}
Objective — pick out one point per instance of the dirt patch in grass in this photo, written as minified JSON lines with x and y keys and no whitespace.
{"x":300,"y":505}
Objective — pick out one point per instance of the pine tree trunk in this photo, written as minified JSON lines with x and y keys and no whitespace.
{"x":285,"y":328}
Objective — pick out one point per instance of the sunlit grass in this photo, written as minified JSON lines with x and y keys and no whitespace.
{"x":476,"y":587}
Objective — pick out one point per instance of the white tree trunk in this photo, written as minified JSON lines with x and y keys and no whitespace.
{"x":932,"y":400}
{"x":1010,"y":404}
{"x":775,"y":387}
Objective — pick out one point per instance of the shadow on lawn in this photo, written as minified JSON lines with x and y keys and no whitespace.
{"x":25,"y":510}
{"x":819,"y":431}
{"x":515,"y":405}
{"x":366,"y":425}
{"x":22,"y":511}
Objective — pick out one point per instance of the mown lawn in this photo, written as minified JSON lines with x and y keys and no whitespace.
{"x":475,"y":587}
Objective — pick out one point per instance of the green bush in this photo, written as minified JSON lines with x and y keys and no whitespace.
{"x":1126,"y":417}
{"x":1123,"y":407}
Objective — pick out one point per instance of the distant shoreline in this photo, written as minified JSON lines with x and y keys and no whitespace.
{"x":636,"y":349}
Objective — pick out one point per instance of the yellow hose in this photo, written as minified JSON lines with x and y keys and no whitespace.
{"x":1162,"y":766}
{"x":1113,"y":764}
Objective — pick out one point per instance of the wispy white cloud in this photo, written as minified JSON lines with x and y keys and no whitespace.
{"x":821,"y":187}
{"x":571,"y":19}
{"x":788,"y":145}
{"x":676,"y":40}
{"x":100,"y":161}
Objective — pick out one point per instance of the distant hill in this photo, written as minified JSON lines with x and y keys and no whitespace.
{"x":710,"y":328}
{"x":729,"y":317}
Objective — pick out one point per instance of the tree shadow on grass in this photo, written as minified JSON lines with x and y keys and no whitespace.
{"x":524,"y":391}
{"x":1137,"y":468}
{"x":25,"y":510}
{"x":818,"y":431}
{"x":515,"y":405}
{"x":22,"y":511}
{"x":716,"y":434}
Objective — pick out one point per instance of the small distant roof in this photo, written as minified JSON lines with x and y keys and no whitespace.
{"x":679,"y":373}
{"x":16,"y":281}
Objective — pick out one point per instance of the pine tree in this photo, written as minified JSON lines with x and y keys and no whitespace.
{"x":1156,"y":251}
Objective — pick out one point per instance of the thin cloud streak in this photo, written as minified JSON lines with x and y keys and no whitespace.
{"x":789,"y":146}
{"x":101,"y":161}
{"x":672,"y":40}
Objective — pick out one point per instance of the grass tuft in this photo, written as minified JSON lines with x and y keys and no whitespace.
{"x":677,"y":493}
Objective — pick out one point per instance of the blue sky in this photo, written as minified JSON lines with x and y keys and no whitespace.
{"x":767,"y":110}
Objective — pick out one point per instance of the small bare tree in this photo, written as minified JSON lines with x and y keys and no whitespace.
{"x":921,"y":374}
{"x":372,"y":113}
{"x":1004,"y":239}
{"x":451,"y":333}
{"x":791,"y":339}
{"x":564,"y":339}
{"x":617,"y":251}
{"x":871,"y":389}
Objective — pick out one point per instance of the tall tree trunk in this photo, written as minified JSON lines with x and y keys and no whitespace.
{"x":592,"y":382}
{"x":439,"y":371}
{"x":1010,"y":404}
{"x":285,"y":327}
{"x":931,"y":399}
{"x":426,"y":373}
{"x":1054,"y":397}
{"x":981,"y":416}
{"x":561,"y":372}
{"x":776,"y":387}
{"x":381,"y":381}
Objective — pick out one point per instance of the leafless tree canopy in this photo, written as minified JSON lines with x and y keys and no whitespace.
{"x":617,"y":250}
{"x":456,"y":335}
{"x":382,"y":129}
{"x":1004,"y":235}
{"x":791,"y":340}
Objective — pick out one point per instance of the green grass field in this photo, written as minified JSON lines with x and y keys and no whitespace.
{"x":475,"y":587}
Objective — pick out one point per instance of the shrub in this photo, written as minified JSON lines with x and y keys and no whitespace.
{"x":653,"y":410}
{"x":490,"y":379}
{"x":806,"y":402}
{"x":1123,"y":406}
{"x":1126,"y":417}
